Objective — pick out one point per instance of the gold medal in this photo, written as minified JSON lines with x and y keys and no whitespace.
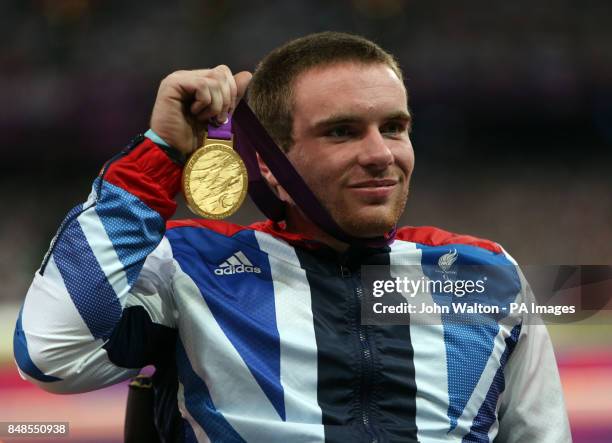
{"x":215,"y":179}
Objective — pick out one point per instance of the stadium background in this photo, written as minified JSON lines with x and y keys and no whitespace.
{"x":513,"y":137}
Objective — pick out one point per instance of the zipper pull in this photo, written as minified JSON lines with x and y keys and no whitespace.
{"x":345,"y":272}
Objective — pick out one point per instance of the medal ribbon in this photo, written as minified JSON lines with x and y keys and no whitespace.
{"x":252,"y":137}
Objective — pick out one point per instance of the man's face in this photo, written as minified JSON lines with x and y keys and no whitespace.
{"x":350,"y":128}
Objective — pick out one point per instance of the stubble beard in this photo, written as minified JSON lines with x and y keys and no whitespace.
{"x":369,"y":226}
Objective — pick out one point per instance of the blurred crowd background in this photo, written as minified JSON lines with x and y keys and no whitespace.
{"x":513,"y":133}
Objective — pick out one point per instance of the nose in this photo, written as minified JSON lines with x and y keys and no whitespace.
{"x":375,"y":153}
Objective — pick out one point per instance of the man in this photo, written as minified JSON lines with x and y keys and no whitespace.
{"x":279,"y":353}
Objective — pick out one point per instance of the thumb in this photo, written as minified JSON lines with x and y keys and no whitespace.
{"x":242,"y":81}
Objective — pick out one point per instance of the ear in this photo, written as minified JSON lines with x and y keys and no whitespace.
{"x":272,"y":181}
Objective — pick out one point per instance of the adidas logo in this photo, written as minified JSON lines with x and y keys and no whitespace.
{"x":238,"y":263}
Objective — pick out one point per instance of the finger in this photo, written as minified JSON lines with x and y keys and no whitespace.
{"x":208,"y":98}
{"x":233,"y":92}
{"x":242,"y":81}
{"x":215,"y":106}
{"x":228,"y":86}
{"x":226,"y":74}
{"x":180,"y":85}
{"x":227,"y":100}
{"x":202,"y":98}
{"x":196,"y":84}
{"x":219,"y":78}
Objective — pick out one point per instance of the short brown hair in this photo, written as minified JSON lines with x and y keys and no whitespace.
{"x":270,"y":92}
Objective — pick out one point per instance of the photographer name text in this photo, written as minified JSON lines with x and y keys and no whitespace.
{"x":471,"y":308}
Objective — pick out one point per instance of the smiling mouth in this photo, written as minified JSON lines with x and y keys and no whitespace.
{"x":376,"y":191}
{"x":374,"y":184}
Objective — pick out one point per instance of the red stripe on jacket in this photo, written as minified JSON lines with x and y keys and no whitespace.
{"x":431,"y":236}
{"x":149,"y":174}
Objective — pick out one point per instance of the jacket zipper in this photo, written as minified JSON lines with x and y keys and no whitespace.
{"x":366,"y":363}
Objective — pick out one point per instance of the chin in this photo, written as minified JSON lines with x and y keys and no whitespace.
{"x":370,"y":225}
{"x":368,"y":220}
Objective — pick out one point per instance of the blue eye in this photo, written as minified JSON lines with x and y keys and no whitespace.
{"x":393,"y":128}
{"x":339,"y":132}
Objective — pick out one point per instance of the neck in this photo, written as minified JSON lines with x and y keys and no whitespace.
{"x":297,"y":222}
